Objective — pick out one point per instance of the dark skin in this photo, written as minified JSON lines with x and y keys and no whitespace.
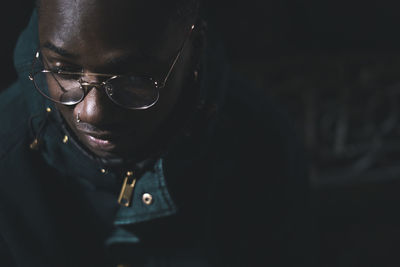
{"x":118,"y":37}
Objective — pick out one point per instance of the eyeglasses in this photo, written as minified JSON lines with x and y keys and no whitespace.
{"x":69,"y":88}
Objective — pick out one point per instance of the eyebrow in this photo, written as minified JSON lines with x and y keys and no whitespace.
{"x":124,"y":60}
{"x":117,"y":62}
{"x":59,"y":50}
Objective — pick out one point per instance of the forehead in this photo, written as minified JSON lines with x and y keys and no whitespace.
{"x":101,"y":26}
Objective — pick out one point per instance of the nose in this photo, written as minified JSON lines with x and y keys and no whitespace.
{"x":96,"y":108}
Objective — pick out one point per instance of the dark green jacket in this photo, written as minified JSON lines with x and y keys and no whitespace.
{"x":229,"y":189}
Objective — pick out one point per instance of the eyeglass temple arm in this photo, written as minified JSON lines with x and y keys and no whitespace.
{"x":166,"y":76}
{"x":177,"y":56}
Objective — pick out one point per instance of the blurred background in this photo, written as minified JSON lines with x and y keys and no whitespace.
{"x":334,"y":66}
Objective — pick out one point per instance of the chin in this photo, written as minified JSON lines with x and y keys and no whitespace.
{"x":130,"y":153}
{"x":110,"y":154}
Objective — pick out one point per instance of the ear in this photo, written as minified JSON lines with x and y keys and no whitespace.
{"x":199,"y":42}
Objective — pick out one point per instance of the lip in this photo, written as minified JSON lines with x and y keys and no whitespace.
{"x":100,"y":140}
{"x":105,"y":142}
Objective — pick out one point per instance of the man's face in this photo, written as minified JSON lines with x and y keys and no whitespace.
{"x":117,"y":37}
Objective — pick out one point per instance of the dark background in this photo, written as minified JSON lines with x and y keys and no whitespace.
{"x":334,"y":66}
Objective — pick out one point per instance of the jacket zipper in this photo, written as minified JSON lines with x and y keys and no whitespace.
{"x":125,"y":196}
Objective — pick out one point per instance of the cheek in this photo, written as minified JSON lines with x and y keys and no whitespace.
{"x":168,"y":96}
{"x":53,"y":88}
{"x":67,"y":113}
{"x":178,"y":81}
{"x":65,"y":91}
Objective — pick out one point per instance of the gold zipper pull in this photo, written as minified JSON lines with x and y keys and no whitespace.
{"x":125,"y":197}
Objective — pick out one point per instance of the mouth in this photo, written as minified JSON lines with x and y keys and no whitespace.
{"x":104,"y":142}
{"x":100,"y":141}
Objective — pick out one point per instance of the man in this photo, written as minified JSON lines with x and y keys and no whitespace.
{"x":131,"y":143}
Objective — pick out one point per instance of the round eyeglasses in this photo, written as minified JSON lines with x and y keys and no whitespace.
{"x":70,"y":88}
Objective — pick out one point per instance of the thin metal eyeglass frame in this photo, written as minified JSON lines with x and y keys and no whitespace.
{"x":86,"y":85}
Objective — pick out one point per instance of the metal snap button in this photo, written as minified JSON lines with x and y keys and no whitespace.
{"x":147,"y":198}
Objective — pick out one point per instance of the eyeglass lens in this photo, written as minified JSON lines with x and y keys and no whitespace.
{"x":126,"y":91}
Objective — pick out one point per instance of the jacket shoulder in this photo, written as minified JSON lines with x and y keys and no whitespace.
{"x":14,"y":117}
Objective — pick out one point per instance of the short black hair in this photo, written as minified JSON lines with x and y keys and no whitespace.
{"x":187,"y":8}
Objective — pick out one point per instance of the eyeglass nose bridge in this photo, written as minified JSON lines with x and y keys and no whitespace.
{"x":86,"y":86}
{"x":104,"y":85}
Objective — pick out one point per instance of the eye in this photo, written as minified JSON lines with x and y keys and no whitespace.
{"x":65,"y":68}
{"x":67,"y":72}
